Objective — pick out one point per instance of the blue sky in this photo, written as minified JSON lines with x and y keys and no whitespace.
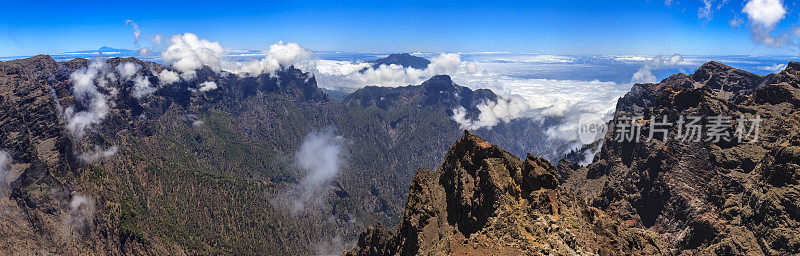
{"x":560,"y":27}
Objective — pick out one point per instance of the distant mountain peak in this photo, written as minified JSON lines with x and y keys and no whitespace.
{"x":106,"y":49}
{"x":403,"y":59}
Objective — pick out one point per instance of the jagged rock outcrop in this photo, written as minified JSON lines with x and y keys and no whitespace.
{"x":723,"y":198}
{"x":485,"y":201}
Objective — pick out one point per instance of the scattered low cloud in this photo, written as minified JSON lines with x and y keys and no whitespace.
{"x":87,"y":82}
{"x":504,"y":109}
{"x":94,"y":87}
{"x":97,"y":154}
{"x":645,"y":74}
{"x":319,"y":159}
{"x":187,"y":53}
{"x":774,"y":68}
{"x":5,"y":167}
{"x":80,"y":216}
{"x":207,"y":86}
{"x":142,"y":87}
{"x":332,"y":246}
{"x":127,"y":70}
{"x":166,"y":77}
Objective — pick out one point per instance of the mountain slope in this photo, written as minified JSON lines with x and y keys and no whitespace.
{"x":483,"y":200}
{"x":706,"y":197}
{"x":185,"y":171}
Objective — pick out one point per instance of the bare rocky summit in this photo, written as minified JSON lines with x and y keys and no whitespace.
{"x":485,"y":201}
{"x":707,"y":198}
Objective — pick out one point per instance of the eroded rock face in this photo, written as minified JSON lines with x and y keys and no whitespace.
{"x":484,"y":200}
{"x":705,"y":197}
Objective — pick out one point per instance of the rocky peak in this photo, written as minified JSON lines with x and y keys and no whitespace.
{"x":713,"y":67}
{"x":484,"y":200}
{"x":704,"y":197}
{"x":793,"y":65}
{"x":36,"y":67}
{"x":725,"y":80}
{"x":439,"y":83}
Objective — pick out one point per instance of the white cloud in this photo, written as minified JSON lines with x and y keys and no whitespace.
{"x":188,"y":53}
{"x":136,"y":32}
{"x":128,"y":69}
{"x":168,"y":77}
{"x":332,"y":246}
{"x":86,"y":82}
{"x":774,"y":68}
{"x":445,"y":63}
{"x":736,"y":22}
{"x":645,"y":74}
{"x":279,"y":55}
{"x":320,"y":158}
{"x":565,"y":100}
{"x":339,"y":68}
{"x":157,"y":39}
{"x":98,"y":154}
{"x":142,"y":87}
{"x":287,"y":54}
{"x":339,"y":74}
{"x":505,"y":109}
{"x":764,"y":15}
{"x":207,"y":86}
{"x":80,"y":216}
{"x":705,"y":11}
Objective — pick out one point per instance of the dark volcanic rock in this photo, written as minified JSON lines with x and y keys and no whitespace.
{"x":47,"y":170}
{"x":439,"y":90}
{"x":403,"y":59}
{"x":726,"y":198}
{"x":485,"y":201}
